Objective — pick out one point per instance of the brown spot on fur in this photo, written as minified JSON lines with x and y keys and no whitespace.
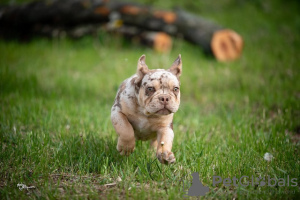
{"x":130,"y":97}
{"x":136,"y":85}
{"x":117,"y":100}
{"x":122,"y":87}
{"x":171,"y":125}
{"x":137,"y":89}
{"x":132,"y":82}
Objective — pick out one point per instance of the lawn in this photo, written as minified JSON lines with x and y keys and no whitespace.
{"x":56,"y":95}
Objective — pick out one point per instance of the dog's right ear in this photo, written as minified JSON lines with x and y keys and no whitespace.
{"x":142,"y":69}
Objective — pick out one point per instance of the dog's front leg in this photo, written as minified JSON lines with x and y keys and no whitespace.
{"x":165,"y":140}
{"x":126,"y":140}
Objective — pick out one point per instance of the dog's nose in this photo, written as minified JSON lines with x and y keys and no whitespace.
{"x":164,"y":99}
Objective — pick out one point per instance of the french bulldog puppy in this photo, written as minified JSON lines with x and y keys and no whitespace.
{"x":144,"y":107}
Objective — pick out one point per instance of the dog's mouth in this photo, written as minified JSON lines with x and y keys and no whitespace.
{"x":160,"y":110}
{"x":163,"y":111}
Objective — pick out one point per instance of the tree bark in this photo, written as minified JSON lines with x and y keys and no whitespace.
{"x":20,"y":21}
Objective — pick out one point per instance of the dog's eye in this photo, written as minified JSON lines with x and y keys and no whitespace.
{"x":150,"y":89}
{"x":176,"y":89}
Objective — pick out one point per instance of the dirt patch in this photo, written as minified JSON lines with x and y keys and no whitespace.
{"x":84,"y":186}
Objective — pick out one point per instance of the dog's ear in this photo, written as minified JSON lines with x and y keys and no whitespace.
{"x":142,"y":69}
{"x":176,"y":67}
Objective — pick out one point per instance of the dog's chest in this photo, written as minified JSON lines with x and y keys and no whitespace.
{"x":143,"y":128}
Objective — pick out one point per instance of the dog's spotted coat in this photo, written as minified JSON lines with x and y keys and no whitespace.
{"x":144,"y":109}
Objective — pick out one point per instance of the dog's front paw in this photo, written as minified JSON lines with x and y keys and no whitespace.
{"x":166,"y":157}
{"x":125,"y":147}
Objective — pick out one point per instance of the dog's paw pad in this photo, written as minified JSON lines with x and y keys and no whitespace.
{"x":125,"y":147}
{"x":166,"y":158}
{"x":125,"y":151}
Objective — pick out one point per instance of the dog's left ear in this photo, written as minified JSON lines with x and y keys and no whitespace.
{"x":142,"y":69}
{"x":176,"y":67}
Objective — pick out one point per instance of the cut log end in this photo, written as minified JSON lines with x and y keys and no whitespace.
{"x":161,"y":41}
{"x":226,"y":45}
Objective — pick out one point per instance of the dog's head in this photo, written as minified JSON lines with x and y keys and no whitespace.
{"x":158,"y":90}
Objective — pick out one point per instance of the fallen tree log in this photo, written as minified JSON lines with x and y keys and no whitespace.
{"x":28,"y":19}
{"x":159,"y":41}
{"x":73,"y":18}
{"x":224,"y":44}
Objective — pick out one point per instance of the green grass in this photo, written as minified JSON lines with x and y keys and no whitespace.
{"x":55,"y":99}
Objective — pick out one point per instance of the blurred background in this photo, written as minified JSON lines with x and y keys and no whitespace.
{"x":91,"y":66}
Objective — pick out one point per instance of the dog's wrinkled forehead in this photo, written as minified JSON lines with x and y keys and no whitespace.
{"x":160,"y":75}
